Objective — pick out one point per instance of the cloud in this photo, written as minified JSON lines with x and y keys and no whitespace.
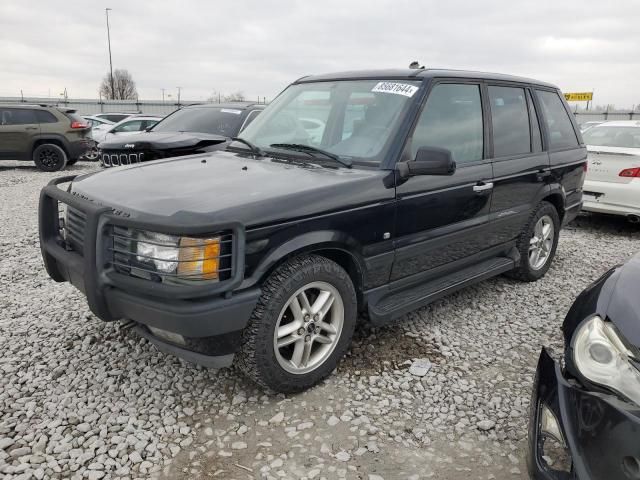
{"x":260,"y":46}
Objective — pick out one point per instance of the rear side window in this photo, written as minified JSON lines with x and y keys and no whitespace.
{"x":561,"y":133}
{"x":510,"y":119}
{"x":451,"y":119}
{"x":17,"y":116}
{"x":45,"y":117}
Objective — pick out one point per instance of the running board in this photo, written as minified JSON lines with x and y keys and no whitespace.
{"x":395,"y":304}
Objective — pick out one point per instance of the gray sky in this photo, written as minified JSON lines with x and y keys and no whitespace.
{"x":259,"y":46}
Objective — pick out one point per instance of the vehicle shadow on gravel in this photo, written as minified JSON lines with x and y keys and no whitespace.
{"x":604,"y":224}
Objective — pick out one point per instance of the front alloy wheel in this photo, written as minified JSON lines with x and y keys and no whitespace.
{"x":301,"y":326}
{"x":541,"y":242}
{"x":309,"y":327}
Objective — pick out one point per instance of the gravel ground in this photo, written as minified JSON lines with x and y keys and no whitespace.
{"x":443,"y":394}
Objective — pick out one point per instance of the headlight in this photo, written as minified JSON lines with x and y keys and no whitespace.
{"x":602,"y":358}
{"x":186,"y":258}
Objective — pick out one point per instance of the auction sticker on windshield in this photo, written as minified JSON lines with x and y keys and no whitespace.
{"x":229,"y":110}
{"x":396,"y":88}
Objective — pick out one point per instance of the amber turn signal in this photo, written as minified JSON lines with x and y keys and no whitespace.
{"x":199,"y":258}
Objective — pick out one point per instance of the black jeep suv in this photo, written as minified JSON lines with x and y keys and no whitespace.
{"x":192,"y":129}
{"x":53,"y":137}
{"x":411,"y":185}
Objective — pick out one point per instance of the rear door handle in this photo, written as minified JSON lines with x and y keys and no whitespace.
{"x":31,"y":128}
{"x":542,"y":174}
{"x":482,"y":187}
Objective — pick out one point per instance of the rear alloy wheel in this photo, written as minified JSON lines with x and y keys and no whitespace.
{"x":49,"y":157}
{"x":541,"y":243}
{"x":301,"y":326}
{"x":537,"y":243}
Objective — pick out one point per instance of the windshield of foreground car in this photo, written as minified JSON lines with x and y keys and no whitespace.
{"x":218,"y":121}
{"x":605,"y":136}
{"x":351,"y":119}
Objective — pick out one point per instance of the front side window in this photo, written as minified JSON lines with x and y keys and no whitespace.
{"x":352,"y":119}
{"x":510,"y":121}
{"x":612,"y":136}
{"x":559,"y":124}
{"x":452,"y":119}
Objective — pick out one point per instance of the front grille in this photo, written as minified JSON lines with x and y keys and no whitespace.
{"x":72,"y":227}
{"x":118,"y":158}
{"x":126,"y":259}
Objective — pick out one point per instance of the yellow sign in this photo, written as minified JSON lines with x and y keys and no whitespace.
{"x":579,"y":97}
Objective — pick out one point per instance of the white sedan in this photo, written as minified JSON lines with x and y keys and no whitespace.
{"x":612,"y":184}
{"x":128,"y":126}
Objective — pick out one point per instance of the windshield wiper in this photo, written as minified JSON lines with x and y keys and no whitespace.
{"x":299,"y":147}
{"x":254,"y":148}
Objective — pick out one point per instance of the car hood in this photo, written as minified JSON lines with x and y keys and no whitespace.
{"x":228,"y":187}
{"x":614,"y":297}
{"x":163,"y":140}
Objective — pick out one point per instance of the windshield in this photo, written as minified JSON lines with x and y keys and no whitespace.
{"x":604,"y":136}
{"x":352,"y":119}
{"x":219,"y":121}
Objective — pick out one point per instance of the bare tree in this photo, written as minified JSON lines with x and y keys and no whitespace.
{"x":124,"y":88}
{"x":234,"y":97}
{"x":226,"y":97}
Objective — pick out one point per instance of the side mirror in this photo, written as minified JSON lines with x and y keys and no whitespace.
{"x":429,"y":161}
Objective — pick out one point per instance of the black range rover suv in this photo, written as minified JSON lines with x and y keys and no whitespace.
{"x":414,"y":184}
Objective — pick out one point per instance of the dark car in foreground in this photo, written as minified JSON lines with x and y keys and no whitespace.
{"x":585,"y":409}
{"x":411,"y":185}
{"x":192,"y":129}
{"x":52,"y":137}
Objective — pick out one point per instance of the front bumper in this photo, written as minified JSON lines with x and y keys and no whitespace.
{"x":601,"y":432}
{"x":210,"y":317}
{"x":612,"y":198}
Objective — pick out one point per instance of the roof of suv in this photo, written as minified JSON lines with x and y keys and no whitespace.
{"x":234,"y":105}
{"x":409,"y":73}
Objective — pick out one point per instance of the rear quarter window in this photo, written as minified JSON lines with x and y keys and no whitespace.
{"x":46,"y":117}
{"x":561,"y":132}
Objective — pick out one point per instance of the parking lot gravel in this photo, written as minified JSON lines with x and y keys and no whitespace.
{"x":441,"y":394}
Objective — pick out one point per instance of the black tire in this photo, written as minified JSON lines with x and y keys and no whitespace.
{"x":526,"y":271}
{"x":257,"y":357}
{"x":72,"y":161}
{"x":49,"y":157}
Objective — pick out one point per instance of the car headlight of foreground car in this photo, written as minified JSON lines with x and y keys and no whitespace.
{"x":186,"y":258}
{"x":603,"y":358}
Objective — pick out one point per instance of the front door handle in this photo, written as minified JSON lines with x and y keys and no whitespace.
{"x":482,"y":187}
{"x":31,"y":128}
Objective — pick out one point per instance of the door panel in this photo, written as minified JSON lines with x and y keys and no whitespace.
{"x":518,"y":183}
{"x":521,"y":168}
{"x":441,"y":219}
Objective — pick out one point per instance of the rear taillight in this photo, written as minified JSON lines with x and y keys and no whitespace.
{"x":630,"y":172}
{"x":79,"y":125}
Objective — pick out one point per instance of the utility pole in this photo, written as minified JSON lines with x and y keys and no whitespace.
{"x":178,"y":96}
{"x":113,"y":90}
{"x":162,"y":94}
